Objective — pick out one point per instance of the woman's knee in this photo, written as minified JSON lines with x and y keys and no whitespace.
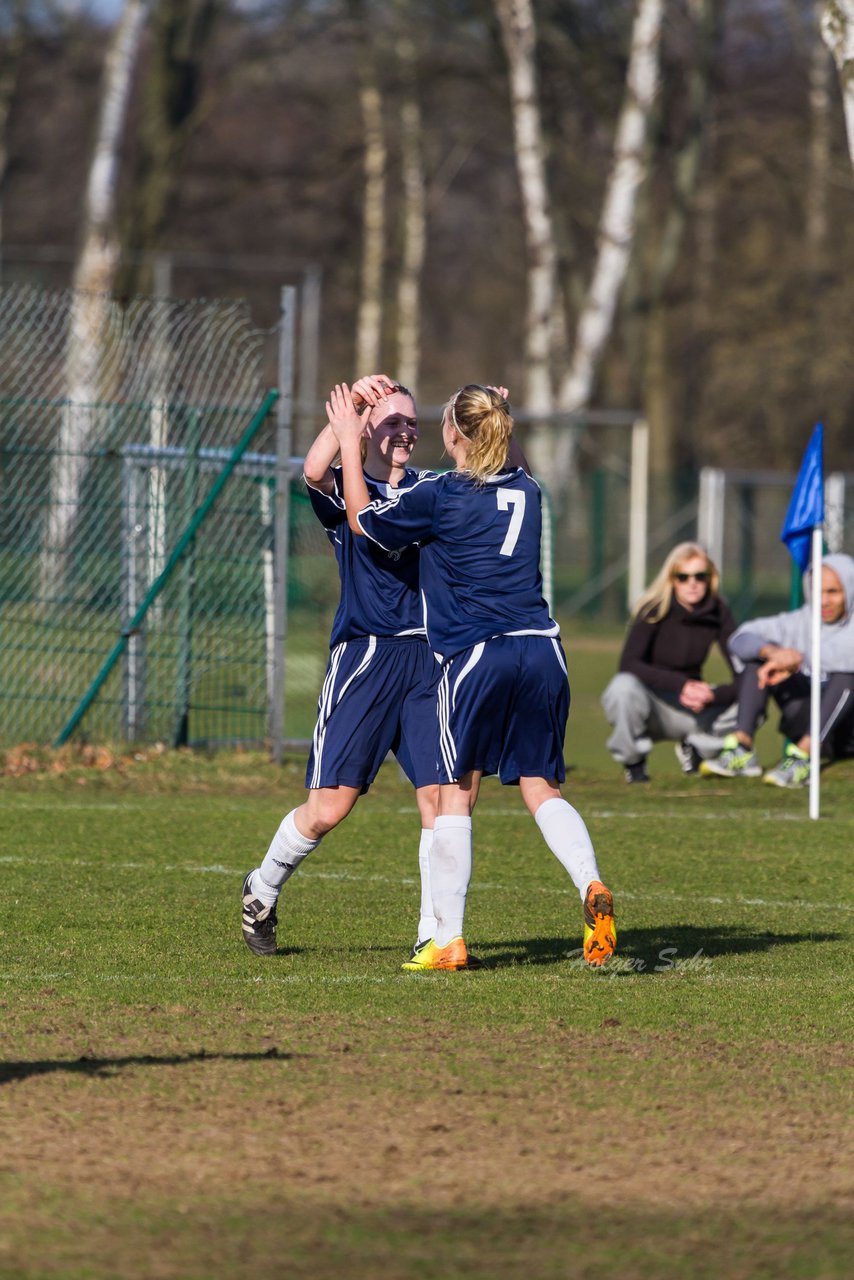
{"x":324,"y":808}
{"x":622,"y":688}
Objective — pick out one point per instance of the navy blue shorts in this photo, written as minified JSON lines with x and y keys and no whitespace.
{"x":503,"y":707}
{"x":379,"y":695}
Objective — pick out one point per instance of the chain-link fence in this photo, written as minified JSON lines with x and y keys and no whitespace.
{"x":138,"y":592}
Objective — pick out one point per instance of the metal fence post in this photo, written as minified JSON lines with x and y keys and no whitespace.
{"x":309,"y":353}
{"x":184,"y":672}
{"x":638,"y":511}
{"x":134,"y":536}
{"x":710,"y":514}
{"x":284,"y":425}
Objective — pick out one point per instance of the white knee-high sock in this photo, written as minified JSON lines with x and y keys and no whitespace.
{"x":287,"y":850}
{"x":450,"y":872}
{"x":427,"y":921}
{"x":569,"y":840}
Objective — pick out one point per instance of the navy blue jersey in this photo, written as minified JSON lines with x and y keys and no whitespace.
{"x":379,"y":588}
{"x":480,"y":554}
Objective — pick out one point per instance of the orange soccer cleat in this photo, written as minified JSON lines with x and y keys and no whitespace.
{"x":600,"y":931}
{"x":452,"y":957}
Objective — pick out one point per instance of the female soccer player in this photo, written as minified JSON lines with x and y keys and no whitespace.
{"x":503,"y":697}
{"x":379,"y":694}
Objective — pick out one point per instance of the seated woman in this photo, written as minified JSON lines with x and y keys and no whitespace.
{"x":660,"y":694}
{"x":773,"y":656}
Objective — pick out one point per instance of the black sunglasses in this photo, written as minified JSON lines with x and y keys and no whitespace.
{"x":686,"y":577}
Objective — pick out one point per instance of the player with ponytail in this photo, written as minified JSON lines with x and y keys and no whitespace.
{"x":503,"y":697}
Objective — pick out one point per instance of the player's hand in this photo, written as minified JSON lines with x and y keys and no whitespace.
{"x":344,"y":418}
{"x":371,"y":389}
{"x":502,"y":391}
{"x":781,"y":664}
{"x":696,"y":694}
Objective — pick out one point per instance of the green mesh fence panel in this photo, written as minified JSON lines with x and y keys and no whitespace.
{"x":94,"y":494}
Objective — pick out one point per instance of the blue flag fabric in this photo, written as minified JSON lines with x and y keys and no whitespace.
{"x":806,"y":506}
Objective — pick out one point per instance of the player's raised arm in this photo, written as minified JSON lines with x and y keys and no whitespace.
{"x":317,"y":464}
{"x":348,"y":426}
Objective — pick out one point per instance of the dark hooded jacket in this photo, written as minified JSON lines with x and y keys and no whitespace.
{"x":664,"y":654}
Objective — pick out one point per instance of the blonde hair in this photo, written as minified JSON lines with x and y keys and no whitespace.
{"x":482,"y":417}
{"x":656,"y":600}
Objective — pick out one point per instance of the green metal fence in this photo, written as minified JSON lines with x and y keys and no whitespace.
{"x":138,"y":596}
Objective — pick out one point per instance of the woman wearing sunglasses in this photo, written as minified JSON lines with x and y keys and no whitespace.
{"x":659,"y":694}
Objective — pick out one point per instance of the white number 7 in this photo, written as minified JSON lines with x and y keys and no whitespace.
{"x":514,"y":502}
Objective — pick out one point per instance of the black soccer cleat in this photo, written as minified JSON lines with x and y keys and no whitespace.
{"x":688,"y":756}
{"x":259,"y":923}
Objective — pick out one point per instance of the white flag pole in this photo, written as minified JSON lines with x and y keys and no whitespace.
{"x":815,"y":682}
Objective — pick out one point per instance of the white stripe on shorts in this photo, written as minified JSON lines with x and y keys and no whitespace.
{"x":328,"y":699}
{"x":556,"y":648}
{"x":323,"y":708}
{"x":446,"y":742}
{"x":369,"y":653}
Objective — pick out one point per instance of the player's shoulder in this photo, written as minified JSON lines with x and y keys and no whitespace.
{"x":510,"y":478}
{"x":413,"y":476}
{"x":518,"y":478}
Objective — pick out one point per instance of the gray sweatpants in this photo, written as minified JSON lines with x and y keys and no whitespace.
{"x":640,"y":717}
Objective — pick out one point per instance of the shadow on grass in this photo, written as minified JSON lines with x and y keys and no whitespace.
{"x":654,"y":950}
{"x":105,"y":1067}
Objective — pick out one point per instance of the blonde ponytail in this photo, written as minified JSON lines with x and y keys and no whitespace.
{"x":482,"y":417}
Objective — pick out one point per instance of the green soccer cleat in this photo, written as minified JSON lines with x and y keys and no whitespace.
{"x":735,"y":761}
{"x":792,"y":771}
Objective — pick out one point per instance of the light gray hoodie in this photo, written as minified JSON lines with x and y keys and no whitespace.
{"x":793,"y":630}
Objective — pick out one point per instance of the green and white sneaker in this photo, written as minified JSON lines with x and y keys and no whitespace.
{"x":735,"y":761}
{"x":792,"y":771}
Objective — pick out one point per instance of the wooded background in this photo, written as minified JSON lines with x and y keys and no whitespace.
{"x":247,"y":148}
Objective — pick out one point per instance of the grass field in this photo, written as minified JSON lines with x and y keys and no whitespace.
{"x":171,"y":1106}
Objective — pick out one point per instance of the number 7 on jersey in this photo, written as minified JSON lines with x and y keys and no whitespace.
{"x":514,"y":502}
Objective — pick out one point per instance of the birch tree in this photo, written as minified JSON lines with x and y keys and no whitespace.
{"x":181,"y":32}
{"x":414,"y":211}
{"x":93,"y":280}
{"x":414,"y":218}
{"x":837,"y":29}
{"x":818,"y":183}
{"x":518,"y":33}
{"x":370,"y":311}
{"x":617,"y":222}
{"x":647,"y":340}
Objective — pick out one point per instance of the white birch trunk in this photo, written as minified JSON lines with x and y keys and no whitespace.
{"x":617,"y":223}
{"x":414,"y":229}
{"x":819,"y":147}
{"x":837,"y":29}
{"x":518,"y":31}
{"x":369,"y":322}
{"x":93,"y":280}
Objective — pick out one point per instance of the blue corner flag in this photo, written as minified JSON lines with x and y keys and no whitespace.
{"x":806,"y":506}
